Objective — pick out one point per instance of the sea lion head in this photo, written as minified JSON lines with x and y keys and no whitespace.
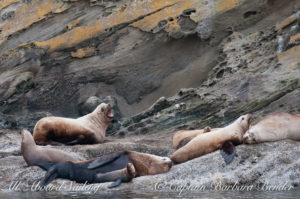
{"x":251,"y":136}
{"x":244,"y":121}
{"x":159,"y":165}
{"x":26,"y":136}
{"x":105,"y":111}
{"x":130,"y":171}
{"x":27,"y":140}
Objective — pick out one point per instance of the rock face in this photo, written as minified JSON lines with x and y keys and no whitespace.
{"x":55,"y":54}
{"x":165,"y":65}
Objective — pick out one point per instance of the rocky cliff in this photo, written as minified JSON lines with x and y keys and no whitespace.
{"x":165,"y":65}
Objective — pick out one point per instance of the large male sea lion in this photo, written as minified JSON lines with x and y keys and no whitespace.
{"x":183,"y":137}
{"x":208,"y":142}
{"x":89,"y":129}
{"x":119,"y":167}
{"x":43,"y":157}
{"x":274,"y":127}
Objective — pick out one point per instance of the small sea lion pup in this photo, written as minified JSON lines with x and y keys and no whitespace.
{"x":117,"y":167}
{"x":223,"y":138}
{"x":43,"y":157}
{"x":274,"y":127}
{"x":88,"y":129}
{"x":183,"y":137}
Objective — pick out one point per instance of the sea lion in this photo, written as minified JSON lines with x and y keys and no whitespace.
{"x":183,"y":137}
{"x":89,"y":129}
{"x":274,"y":127}
{"x":223,"y":138}
{"x":118,"y":166}
{"x":43,"y":157}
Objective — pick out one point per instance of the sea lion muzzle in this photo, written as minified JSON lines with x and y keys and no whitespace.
{"x":110,"y":112}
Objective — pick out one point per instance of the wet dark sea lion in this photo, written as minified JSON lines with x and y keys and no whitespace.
{"x":43,"y":157}
{"x":118,"y":167}
{"x":89,"y":129}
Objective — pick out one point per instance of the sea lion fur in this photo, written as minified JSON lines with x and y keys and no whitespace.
{"x":274,"y":127}
{"x":209,"y":142}
{"x":43,"y":157}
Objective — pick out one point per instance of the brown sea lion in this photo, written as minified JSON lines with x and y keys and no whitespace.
{"x":118,"y":166}
{"x":183,"y":137}
{"x":89,"y":129}
{"x":40,"y":156}
{"x":274,"y":127}
{"x":209,"y":142}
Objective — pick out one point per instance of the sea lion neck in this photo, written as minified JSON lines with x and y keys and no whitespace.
{"x":234,"y":125}
{"x":239,"y":131}
{"x":99,"y":122}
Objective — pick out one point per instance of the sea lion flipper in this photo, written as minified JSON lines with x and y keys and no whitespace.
{"x":45,"y":165}
{"x":228,"y":152}
{"x":207,"y":129}
{"x":50,"y":176}
{"x":115,"y":183}
{"x":104,"y":160}
{"x":73,"y":142}
{"x":53,"y":143}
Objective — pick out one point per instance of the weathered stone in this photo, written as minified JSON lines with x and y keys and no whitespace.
{"x":84,"y":50}
{"x":286,"y":22}
{"x":24,"y":121}
{"x":159,"y":105}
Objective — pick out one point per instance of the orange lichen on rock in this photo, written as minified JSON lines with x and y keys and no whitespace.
{"x":294,"y":38}
{"x":144,"y":15}
{"x":254,"y":34}
{"x":285,"y":22}
{"x":5,"y":3}
{"x":80,"y":34}
{"x":202,"y":9}
{"x":73,"y":24}
{"x":30,"y":13}
{"x":151,"y":21}
{"x":72,"y":38}
{"x":83,"y":52}
{"x":172,"y":26}
{"x":290,"y":56}
{"x":63,"y":7}
{"x":224,"y":5}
